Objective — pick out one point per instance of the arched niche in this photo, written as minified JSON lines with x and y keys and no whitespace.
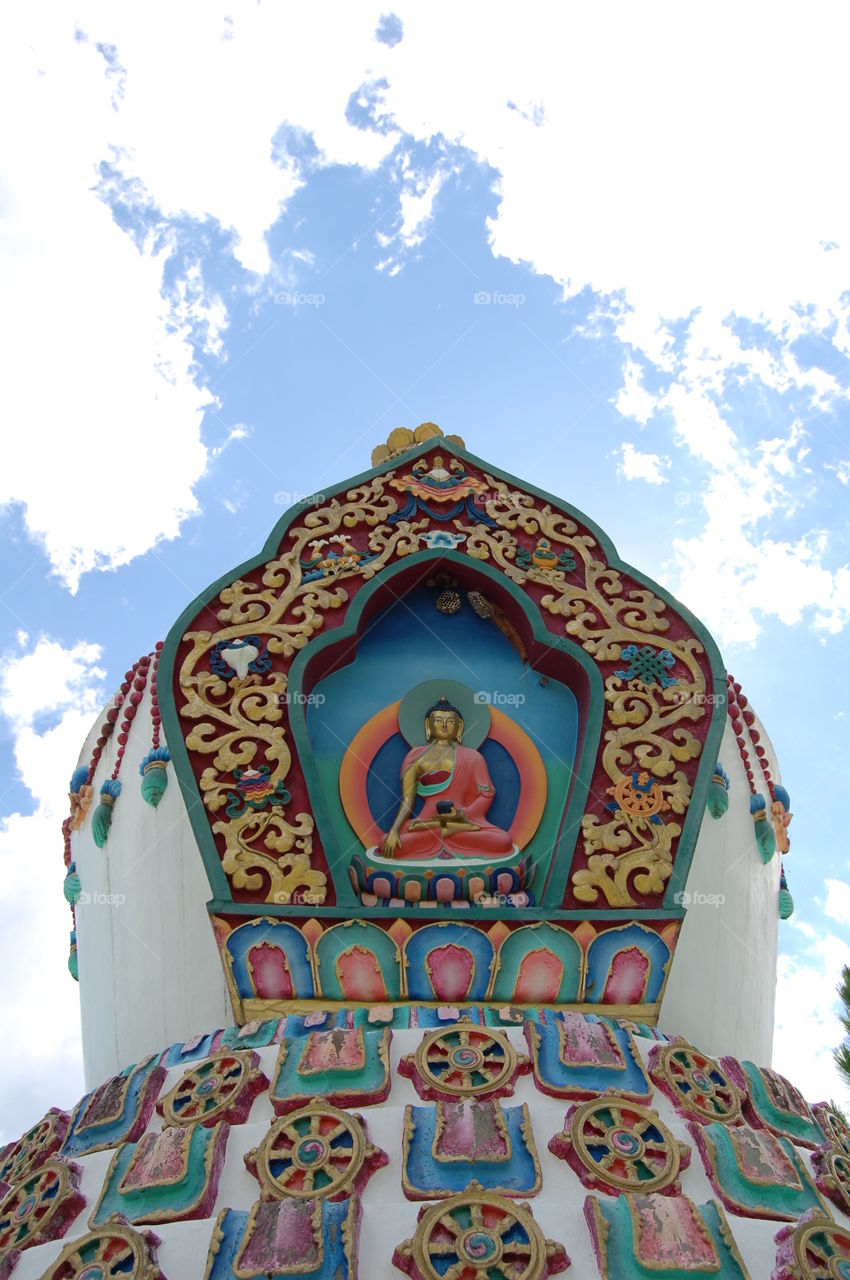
{"x":543,"y":694}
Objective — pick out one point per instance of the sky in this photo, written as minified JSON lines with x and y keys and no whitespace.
{"x":609,"y":246}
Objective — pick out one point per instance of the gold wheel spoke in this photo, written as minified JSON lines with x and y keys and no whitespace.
{"x":442,"y":1248}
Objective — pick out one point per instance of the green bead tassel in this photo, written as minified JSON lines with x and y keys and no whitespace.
{"x":786,"y":902}
{"x":154,"y":775}
{"x":72,"y":886}
{"x":717,"y":801}
{"x":765,"y":835}
{"x":102,"y":816}
{"x":73,"y":968}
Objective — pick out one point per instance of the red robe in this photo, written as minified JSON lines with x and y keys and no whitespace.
{"x":470,"y":789}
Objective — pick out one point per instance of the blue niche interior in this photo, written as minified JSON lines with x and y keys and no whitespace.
{"x":412,"y":641}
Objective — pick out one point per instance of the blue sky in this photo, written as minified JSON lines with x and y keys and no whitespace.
{"x":241,"y":243}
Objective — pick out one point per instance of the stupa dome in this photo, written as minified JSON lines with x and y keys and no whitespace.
{"x":441,"y":851}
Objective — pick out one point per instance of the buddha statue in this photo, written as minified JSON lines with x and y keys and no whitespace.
{"x":455,"y":784}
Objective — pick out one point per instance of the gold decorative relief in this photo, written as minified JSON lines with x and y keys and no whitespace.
{"x":233,"y":675}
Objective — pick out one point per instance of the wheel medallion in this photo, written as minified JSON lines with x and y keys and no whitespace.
{"x":314,"y":1153}
{"x":695,"y":1084}
{"x":479,"y":1236}
{"x":222,"y":1088}
{"x":464,"y":1061}
{"x":816,"y":1249}
{"x":614,"y":1144}
{"x":113,"y":1252}
{"x":42,"y":1206}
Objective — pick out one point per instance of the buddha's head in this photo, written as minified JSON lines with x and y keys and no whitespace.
{"x":443,"y":722}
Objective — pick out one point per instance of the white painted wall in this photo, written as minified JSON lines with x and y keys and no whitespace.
{"x":149,"y":968}
{"x":722,"y":985}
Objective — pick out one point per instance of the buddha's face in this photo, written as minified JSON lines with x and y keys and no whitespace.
{"x":444,"y":726}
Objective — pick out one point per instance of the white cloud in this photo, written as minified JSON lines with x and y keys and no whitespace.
{"x":633,"y":400}
{"x":807,"y":1026}
{"x":50,"y":678}
{"x":687,"y":214}
{"x":40,"y":998}
{"x":98,"y":387}
{"x":837,"y":905}
{"x":634,"y":465}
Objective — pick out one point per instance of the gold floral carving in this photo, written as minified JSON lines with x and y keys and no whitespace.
{"x":242,"y":722}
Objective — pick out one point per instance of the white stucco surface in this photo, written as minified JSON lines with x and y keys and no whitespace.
{"x":722,"y":985}
{"x":149,"y":968}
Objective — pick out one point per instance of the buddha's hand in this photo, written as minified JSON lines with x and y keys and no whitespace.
{"x":391,"y":843}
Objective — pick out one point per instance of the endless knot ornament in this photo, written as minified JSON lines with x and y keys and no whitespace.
{"x":42,"y":1206}
{"x":615,"y":1145}
{"x":476,"y":1236}
{"x":115,"y":1252}
{"x":464,"y":1061}
{"x":222,"y":1088}
{"x":695,"y":1084}
{"x":315,"y":1153}
{"x":648,"y":665}
{"x":814,"y":1249}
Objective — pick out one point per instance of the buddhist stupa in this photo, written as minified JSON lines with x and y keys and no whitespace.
{"x":425,"y":884}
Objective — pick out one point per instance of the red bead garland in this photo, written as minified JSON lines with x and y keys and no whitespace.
{"x":742,"y":719}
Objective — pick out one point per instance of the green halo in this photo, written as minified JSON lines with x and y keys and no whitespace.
{"x":414,"y":704}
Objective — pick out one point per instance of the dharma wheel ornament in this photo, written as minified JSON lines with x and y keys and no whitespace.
{"x":815,"y":1249}
{"x":695,"y":1084}
{"x":475,"y":1236}
{"x":113,"y":1252}
{"x":615,"y":1145}
{"x":464,"y":1061}
{"x":315,"y":1153}
{"x":222,"y":1088}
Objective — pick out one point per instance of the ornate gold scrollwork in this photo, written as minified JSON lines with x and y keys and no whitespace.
{"x":241,"y":722}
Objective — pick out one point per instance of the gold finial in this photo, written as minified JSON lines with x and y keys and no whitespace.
{"x":402,"y":439}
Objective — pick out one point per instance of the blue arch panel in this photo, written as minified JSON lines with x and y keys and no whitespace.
{"x":277,"y":934}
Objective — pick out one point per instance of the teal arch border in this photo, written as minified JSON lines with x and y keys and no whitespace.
{"x":222,"y":899}
{"x":531,"y":937}
{"x":567,"y":820}
{"x":338,"y":938}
